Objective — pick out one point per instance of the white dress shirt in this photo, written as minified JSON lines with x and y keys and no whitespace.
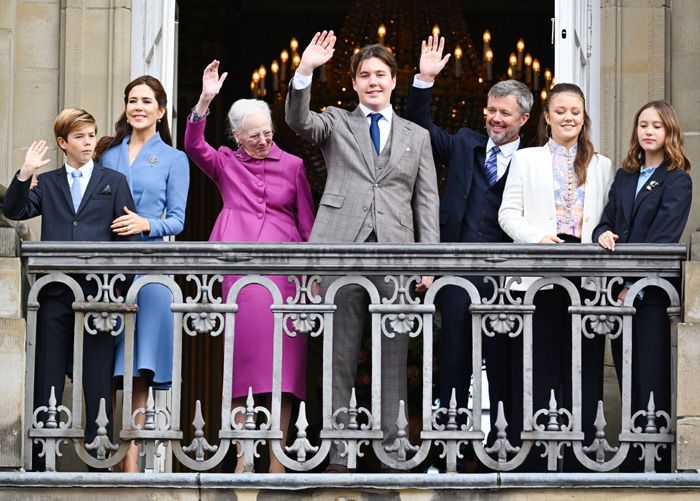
{"x":86,"y":170}
{"x":301,"y":82}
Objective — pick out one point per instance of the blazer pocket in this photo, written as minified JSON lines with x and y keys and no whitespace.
{"x":103,"y":198}
{"x":332,"y":200}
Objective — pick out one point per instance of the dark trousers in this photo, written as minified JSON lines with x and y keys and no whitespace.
{"x":455,"y":364}
{"x":551,"y":344}
{"x":54,"y":359}
{"x":651,"y":369}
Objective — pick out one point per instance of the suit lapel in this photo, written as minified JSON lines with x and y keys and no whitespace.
{"x":656,"y":179}
{"x":627,"y":189}
{"x":95,"y":178}
{"x":360,"y":131}
{"x":399,"y":142}
{"x":62,"y":180}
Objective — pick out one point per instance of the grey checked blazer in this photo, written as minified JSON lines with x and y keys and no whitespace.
{"x":404,"y":193}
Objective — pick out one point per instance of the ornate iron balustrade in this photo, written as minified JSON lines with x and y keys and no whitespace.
{"x":203,"y":314}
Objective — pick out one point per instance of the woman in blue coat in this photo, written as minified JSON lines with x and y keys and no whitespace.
{"x":159,"y":178}
{"x":649,"y":202}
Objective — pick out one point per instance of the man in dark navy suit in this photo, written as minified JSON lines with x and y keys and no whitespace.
{"x":77,"y":202}
{"x":477,"y":170}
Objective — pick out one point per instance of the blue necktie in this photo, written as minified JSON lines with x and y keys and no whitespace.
{"x":491,"y":166}
{"x":75,"y":192}
{"x":374,"y":130}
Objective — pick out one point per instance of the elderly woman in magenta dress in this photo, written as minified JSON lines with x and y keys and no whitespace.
{"x":267,"y":198}
{"x":159,"y":178}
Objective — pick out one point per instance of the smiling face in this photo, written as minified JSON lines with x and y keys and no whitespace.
{"x":373,"y":83}
{"x":504,"y":119}
{"x":651,"y":132}
{"x":565,"y":116}
{"x":78,"y":145}
{"x":142,"y":110}
{"x":256,"y":135}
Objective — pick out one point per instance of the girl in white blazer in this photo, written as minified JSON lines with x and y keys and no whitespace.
{"x":554,"y":194}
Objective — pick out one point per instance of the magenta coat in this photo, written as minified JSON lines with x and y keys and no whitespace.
{"x":266,"y":200}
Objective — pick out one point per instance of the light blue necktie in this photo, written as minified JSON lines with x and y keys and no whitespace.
{"x":491,"y":166}
{"x":75,"y":192}
{"x":374,"y":130}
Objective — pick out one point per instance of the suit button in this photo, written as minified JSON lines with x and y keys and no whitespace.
{"x":371,"y":225}
{"x":465,"y":197}
{"x":260,"y":200}
{"x":364,"y":209}
{"x":259,"y":215}
{"x":259,"y":184}
{"x":75,"y":223}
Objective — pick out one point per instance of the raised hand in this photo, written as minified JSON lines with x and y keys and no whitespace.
{"x":431,"y":60}
{"x":319,"y":52}
{"x":211,"y":81}
{"x":33,"y":159}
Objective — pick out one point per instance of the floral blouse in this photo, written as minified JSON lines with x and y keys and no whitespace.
{"x":568,"y":198}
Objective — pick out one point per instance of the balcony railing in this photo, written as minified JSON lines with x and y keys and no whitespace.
{"x":199,"y":312}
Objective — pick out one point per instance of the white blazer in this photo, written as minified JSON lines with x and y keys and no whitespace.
{"x":528,"y":212}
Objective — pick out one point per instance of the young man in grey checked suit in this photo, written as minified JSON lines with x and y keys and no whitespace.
{"x":381,"y":187}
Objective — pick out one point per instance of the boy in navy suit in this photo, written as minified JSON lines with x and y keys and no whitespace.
{"x":77,"y":202}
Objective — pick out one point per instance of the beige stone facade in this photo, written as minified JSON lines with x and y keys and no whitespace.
{"x":59,"y":53}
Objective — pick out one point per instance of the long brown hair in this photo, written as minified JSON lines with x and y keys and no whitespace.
{"x":122,"y":127}
{"x":584,"y":146}
{"x":674,"y":153}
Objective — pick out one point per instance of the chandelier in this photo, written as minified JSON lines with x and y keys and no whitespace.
{"x":458,"y":93}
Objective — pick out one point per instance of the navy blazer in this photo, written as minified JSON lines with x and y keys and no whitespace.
{"x":461,"y":153}
{"x":105,"y":197}
{"x":659,"y":212}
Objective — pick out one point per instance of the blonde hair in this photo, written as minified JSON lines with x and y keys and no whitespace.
{"x":69,"y":120}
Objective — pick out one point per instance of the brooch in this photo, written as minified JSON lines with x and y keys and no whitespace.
{"x":152,"y":160}
{"x":652,"y":185}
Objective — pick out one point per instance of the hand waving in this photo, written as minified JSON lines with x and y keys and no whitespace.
{"x":34,"y":159}
{"x":319,"y":52}
{"x":211,"y":81}
{"x":431,"y":60}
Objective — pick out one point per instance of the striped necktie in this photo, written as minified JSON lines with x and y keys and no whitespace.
{"x":491,"y":166}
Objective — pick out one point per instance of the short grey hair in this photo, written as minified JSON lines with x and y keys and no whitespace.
{"x":515,"y":88}
{"x":242,"y":109}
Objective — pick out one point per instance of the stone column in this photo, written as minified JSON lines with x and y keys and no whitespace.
{"x":688,"y":396}
{"x":12,"y":339}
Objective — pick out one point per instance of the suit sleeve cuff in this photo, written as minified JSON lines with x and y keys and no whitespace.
{"x":420,"y":84}
{"x":300,"y":81}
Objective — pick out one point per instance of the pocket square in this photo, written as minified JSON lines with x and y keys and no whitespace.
{"x":107,"y":190}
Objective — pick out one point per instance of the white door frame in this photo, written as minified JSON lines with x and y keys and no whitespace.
{"x":576,"y":38}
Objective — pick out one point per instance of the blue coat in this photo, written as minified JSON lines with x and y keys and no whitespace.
{"x":659,"y":212}
{"x":159,"y":180}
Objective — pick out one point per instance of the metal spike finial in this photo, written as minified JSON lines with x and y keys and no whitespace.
{"x":553,"y":424}
{"x":651,"y":415}
{"x":199,"y":444}
{"x":101,"y":443}
{"x":301,"y":445}
{"x":402,"y":444}
{"x":600,"y":445}
{"x":501,"y":445}
{"x":250,"y":410}
{"x":150,"y":414}
{"x":352,"y":411}
{"x":452,"y":412}
{"x":51,"y":410}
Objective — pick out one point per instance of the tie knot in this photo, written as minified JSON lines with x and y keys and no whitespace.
{"x":76,"y":173}
{"x":375,"y":117}
{"x":495,"y":150}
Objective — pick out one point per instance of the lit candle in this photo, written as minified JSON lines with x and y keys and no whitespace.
{"x":294,"y":45}
{"x":275,"y":68}
{"x":512,"y":61}
{"x":528,"y":69}
{"x":356,"y":50}
{"x":295,"y":61}
{"x":253,"y":89}
{"x":536,"y":74}
{"x":510,"y":72}
{"x":436,"y":31}
{"x":547,"y":77}
{"x":256,"y":82}
{"x":263,"y":73}
{"x":284,"y":57}
{"x":521,"y":47}
{"x":458,"y":62}
{"x":381,"y":33}
{"x":487,"y":42}
{"x":489,"y":65}
{"x":543,"y":94}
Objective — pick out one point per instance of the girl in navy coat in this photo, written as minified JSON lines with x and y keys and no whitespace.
{"x":649,"y":202}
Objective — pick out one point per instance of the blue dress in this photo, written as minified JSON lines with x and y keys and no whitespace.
{"x":159,"y":180}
